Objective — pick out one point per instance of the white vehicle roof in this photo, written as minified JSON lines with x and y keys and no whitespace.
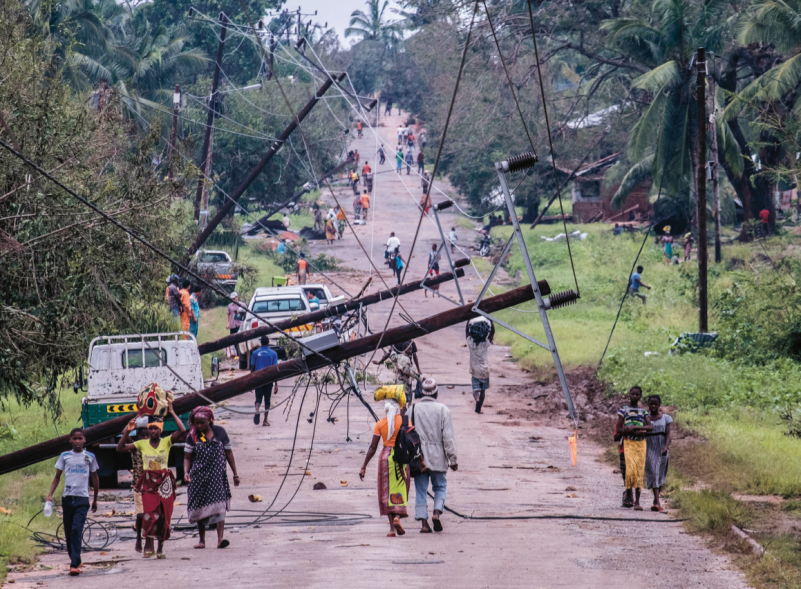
{"x":120,"y":366}
{"x":282,"y":291}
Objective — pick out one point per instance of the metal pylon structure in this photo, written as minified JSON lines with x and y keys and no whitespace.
{"x":521,"y":162}
{"x":444,"y":245}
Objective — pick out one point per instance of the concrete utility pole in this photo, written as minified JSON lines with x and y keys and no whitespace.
{"x":210,"y":117}
{"x":713,"y":167}
{"x":204,"y":201}
{"x":700,"y":88}
{"x":176,"y":103}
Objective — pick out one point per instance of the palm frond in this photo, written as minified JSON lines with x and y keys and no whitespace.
{"x":637,"y":174}
{"x":643,"y":134}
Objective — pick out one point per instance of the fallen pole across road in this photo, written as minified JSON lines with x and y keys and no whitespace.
{"x":281,"y":371}
{"x":333,"y":311}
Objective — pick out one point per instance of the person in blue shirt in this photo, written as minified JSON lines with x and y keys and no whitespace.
{"x":264,"y":357}
{"x":281,"y":249}
{"x":312,"y":299}
{"x":194,"y":316}
{"x":635,"y":282}
{"x":398,"y":265}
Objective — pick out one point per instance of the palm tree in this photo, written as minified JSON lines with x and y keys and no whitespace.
{"x":373,"y":26}
{"x":661,"y":144}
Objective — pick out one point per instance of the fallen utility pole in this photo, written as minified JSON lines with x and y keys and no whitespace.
{"x":274,"y":148}
{"x":384,"y":295}
{"x":700,"y":88}
{"x":283,"y":370}
{"x":215,"y":81}
{"x":257,"y":225}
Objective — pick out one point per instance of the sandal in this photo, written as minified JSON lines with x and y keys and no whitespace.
{"x":224,"y":544}
{"x":161,"y":556}
{"x":437,"y":525}
{"x":148,"y":554}
{"x":398,"y":527}
{"x":637,"y":508}
{"x":391,"y":535}
{"x":200,"y":546}
{"x":654,"y":508}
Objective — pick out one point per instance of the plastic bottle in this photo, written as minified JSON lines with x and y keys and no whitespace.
{"x":48,"y":509}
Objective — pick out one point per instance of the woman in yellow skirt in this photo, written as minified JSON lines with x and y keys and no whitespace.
{"x":634,"y":422}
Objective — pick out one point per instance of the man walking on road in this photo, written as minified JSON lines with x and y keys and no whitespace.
{"x":479,"y":333}
{"x":432,"y":421}
{"x":399,"y":160}
{"x":264,"y":357}
{"x":302,"y":269}
{"x":365,"y":202}
{"x":420,"y":160}
{"x":409,"y":160}
{"x":381,"y":156}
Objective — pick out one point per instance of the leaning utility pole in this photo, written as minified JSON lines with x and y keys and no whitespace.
{"x":204,"y":201}
{"x":176,"y":103}
{"x":713,"y":166}
{"x":274,"y":148}
{"x":210,"y":117}
{"x":703,"y":326}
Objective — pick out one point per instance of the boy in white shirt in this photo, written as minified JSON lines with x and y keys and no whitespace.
{"x":79,"y":466}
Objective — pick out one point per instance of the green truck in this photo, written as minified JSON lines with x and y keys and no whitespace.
{"x":119,"y":367}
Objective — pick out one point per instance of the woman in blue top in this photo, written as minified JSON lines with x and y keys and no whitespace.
{"x":194,"y":316}
{"x":398,"y":265}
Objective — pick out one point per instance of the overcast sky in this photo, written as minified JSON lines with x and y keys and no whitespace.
{"x":336,"y":13}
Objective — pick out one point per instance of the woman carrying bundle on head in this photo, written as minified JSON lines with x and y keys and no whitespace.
{"x":206,"y":452}
{"x":157,"y":483}
{"x":393,"y":477}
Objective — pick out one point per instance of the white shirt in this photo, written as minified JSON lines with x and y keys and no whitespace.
{"x":77,"y":467}
{"x":401,"y":130}
{"x":452,"y":236}
{"x":479,"y":353}
{"x":392,"y":243}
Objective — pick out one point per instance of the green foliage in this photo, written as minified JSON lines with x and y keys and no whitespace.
{"x":288,"y":261}
{"x":711,"y":511}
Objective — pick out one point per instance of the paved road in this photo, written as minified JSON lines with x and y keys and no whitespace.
{"x":508,"y":468}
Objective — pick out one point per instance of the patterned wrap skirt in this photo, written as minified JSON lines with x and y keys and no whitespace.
{"x":393,"y":484}
{"x":209,"y":494}
{"x":635,"y":463}
{"x":158,"y":498}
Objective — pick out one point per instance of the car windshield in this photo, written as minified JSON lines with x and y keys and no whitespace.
{"x":212,"y":258}
{"x":278,"y":305}
{"x":151,"y":358}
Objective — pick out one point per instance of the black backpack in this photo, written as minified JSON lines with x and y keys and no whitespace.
{"x":407,"y":447}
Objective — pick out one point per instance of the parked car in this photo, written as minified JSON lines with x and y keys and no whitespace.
{"x":119,"y":367}
{"x":216,"y":264}
{"x":280,"y":303}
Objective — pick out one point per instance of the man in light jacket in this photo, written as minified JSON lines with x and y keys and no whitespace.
{"x":432,"y":420}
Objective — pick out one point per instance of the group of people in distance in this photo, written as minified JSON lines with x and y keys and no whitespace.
{"x":643,"y":437}
{"x":183,"y":303}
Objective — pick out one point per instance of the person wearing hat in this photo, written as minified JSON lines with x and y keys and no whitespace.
{"x":432,"y":421}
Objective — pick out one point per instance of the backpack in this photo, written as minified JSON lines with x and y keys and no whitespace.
{"x":407,"y":447}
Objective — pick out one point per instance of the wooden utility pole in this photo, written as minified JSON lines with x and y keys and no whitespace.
{"x":713,"y":165}
{"x":274,"y":148}
{"x":204,"y":201}
{"x":219,"y":392}
{"x":700,"y":88}
{"x":210,"y":116}
{"x":176,"y":103}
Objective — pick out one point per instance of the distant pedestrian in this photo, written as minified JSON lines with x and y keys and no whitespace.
{"x":359,"y":129}
{"x":365,"y":201}
{"x":657,"y":444}
{"x":206,"y":452}
{"x":634,"y":422}
{"x":399,"y":264}
{"x":688,"y":246}
{"x":174,"y":296}
{"x":281,"y":249}
{"x":425,"y":201}
{"x":764,"y":215}
{"x":388,"y":109}
{"x":366,"y":169}
{"x":80,"y":467}
{"x":330,"y":232}
{"x":425,"y":181}
{"x":433,"y":423}
{"x":356,"y":156}
{"x":400,"y":134}
{"x":263,"y":357}
{"x":409,"y":161}
{"x":420,"y":161}
{"x":406,"y":364}
{"x":318,"y":219}
{"x":357,"y":205}
{"x":235,"y":314}
{"x":393,"y":477}
{"x":194,"y":320}
{"x":452,"y":238}
{"x":410,"y":139}
{"x":302,"y":269}
{"x":399,"y":160}
{"x":368,"y":183}
{"x":340,"y":222}
{"x":186,"y":305}
{"x":480,"y":333}
{"x":381,"y":156}
{"x":354,"y":181}
{"x":423,"y":139}
{"x":434,"y":258}
{"x":635,"y":282}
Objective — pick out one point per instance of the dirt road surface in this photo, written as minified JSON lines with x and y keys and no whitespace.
{"x":513,"y":464}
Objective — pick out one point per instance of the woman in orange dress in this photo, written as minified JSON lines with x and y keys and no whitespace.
{"x":393,"y":477}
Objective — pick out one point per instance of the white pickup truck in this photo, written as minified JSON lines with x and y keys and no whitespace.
{"x":119,"y":367}
{"x":281,"y":303}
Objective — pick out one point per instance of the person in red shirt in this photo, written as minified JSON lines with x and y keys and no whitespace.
{"x":356,"y":156}
{"x":764,"y":215}
{"x":366,"y":169}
